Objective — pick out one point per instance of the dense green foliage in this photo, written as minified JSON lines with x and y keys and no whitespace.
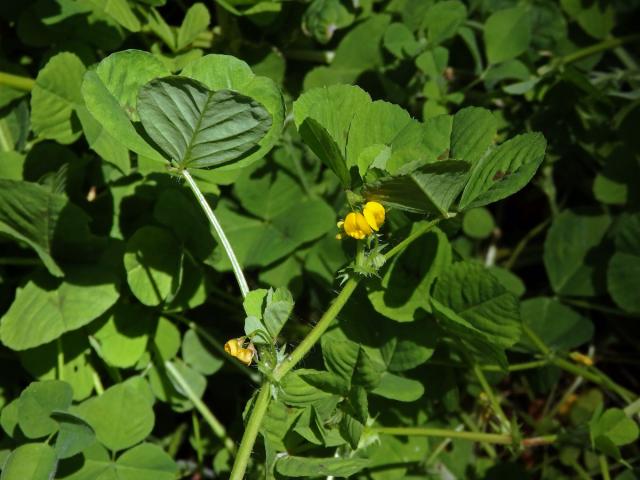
{"x":488,"y":329}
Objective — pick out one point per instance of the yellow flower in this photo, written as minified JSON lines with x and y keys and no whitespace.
{"x":235,"y":348}
{"x":374,"y":214}
{"x":245,"y":355}
{"x":356,"y":226}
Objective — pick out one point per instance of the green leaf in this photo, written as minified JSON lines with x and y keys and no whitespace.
{"x":443,"y":19}
{"x":595,"y":18}
{"x":199,"y":355}
{"x":401,"y":389}
{"x":74,"y":434}
{"x":314,"y":467}
{"x":152,"y":261}
{"x":254,"y":302}
{"x":358,"y":52}
{"x":121,"y":12}
{"x":296,"y":391}
{"x":284,"y":218}
{"x":121,"y":417}
{"x":557,"y":325}
{"x":42,"y":362}
{"x":404,"y":291}
{"x":472,"y":133}
{"x":432,"y":189}
{"x":55,"y":96}
{"x":321,"y":143}
{"x":351,"y":429}
{"x":143,"y":462}
{"x":84,"y":295}
{"x":37,"y":402}
{"x":323,"y":17}
{"x":475,"y":295}
{"x":323,"y":117}
{"x":177,"y":210}
{"x":504,"y":171}
{"x":574,"y":258}
{"x":195,"y":21}
{"x":623,"y":271}
{"x":507,"y":34}
{"x":399,"y":40}
{"x":32,"y":214}
{"x":278,"y":309}
{"x":110,"y":93}
{"x":472,"y":305}
{"x":123,"y":336}
{"x":478,"y":223}
{"x":35,"y":461}
{"x":214,"y":128}
{"x":612,"y":429}
{"x":224,"y":72}
{"x":146,"y":462}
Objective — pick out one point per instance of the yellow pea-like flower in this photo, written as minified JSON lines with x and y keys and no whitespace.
{"x":374,"y":214}
{"x":356,"y":226}
{"x":233,"y":346}
{"x":245,"y":355}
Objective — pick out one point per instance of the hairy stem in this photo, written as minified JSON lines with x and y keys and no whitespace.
{"x":251,"y":432}
{"x":222,"y":238}
{"x":493,"y":400}
{"x":214,"y":423}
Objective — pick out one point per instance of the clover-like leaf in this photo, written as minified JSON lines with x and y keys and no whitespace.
{"x":195,"y":127}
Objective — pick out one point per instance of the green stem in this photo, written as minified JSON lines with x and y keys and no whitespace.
{"x":251,"y":432}
{"x":581,"y":472}
{"x":197,"y":438}
{"x":214,"y":423}
{"x":608,"y":44}
{"x":314,"y":335}
{"x":535,"y":231}
{"x":468,"y":421}
{"x":604,"y":467}
{"x":516,"y":367}
{"x":16,"y":81}
{"x":493,"y":400}
{"x":587,"y":373}
{"x":597,"y":308}
{"x":97,"y":383}
{"x":60,"y":358}
{"x":492,"y":438}
{"x":222,"y":238}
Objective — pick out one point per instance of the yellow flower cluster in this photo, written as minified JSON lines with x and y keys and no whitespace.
{"x":360,"y":225}
{"x":235,"y":348}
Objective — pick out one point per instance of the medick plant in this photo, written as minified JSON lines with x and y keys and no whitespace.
{"x":375,"y":328}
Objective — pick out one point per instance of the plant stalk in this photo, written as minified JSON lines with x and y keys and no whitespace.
{"x":590,"y":374}
{"x":222,"y":238}
{"x":214,"y":423}
{"x":16,"y":81}
{"x":251,"y":432}
{"x":492,"y":438}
